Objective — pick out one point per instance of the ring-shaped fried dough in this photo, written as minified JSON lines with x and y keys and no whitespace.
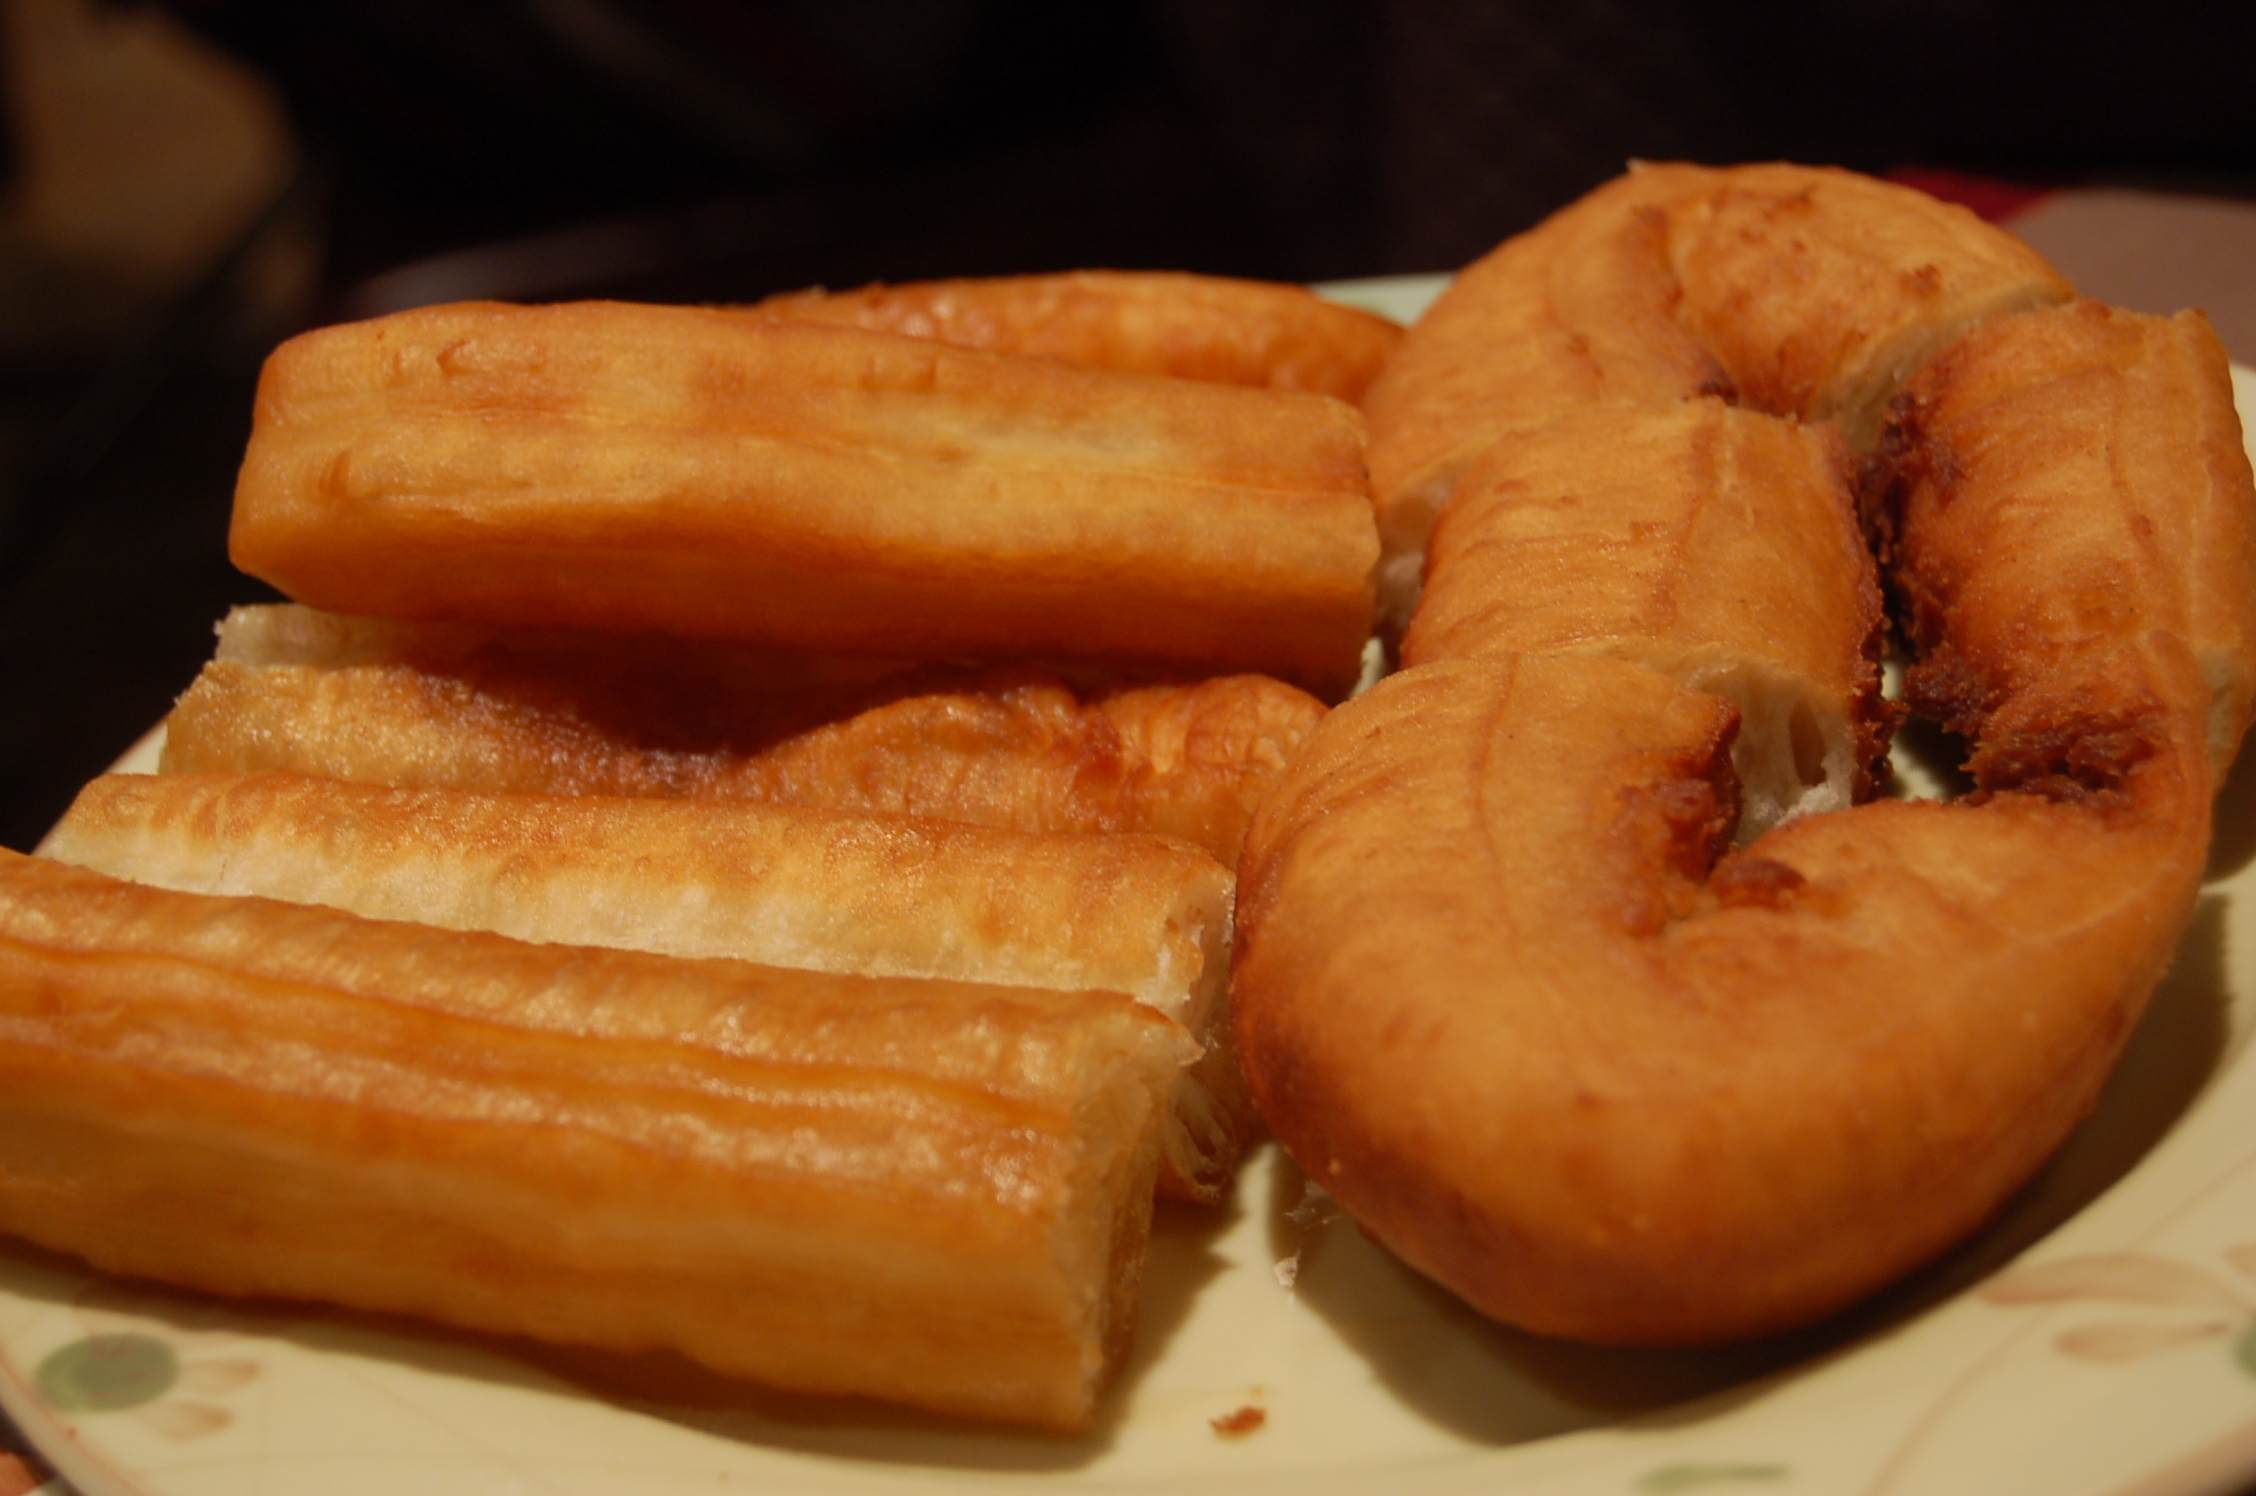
{"x":1715,"y":544}
{"x":1491,"y":996}
{"x":1505,"y":986}
{"x":1801,"y":291}
{"x":2112,"y":436}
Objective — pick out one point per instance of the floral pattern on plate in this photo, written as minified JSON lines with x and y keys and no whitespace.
{"x":2095,"y":1340}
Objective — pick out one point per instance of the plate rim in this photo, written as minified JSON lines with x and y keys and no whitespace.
{"x":1709,"y":1453}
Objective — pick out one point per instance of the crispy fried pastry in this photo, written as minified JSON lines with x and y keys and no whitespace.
{"x":781,"y":885}
{"x":2113,"y":437}
{"x":695,"y":472}
{"x":930,"y":1192}
{"x":1800,"y":291}
{"x":559,"y":713}
{"x":1140,"y":322}
{"x":1714,"y":544}
{"x":1499,"y":995}
{"x":1506,"y":988}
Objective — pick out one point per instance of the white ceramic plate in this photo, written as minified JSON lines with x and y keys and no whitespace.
{"x":2099,"y":1338}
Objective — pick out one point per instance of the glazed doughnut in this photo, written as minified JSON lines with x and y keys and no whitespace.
{"x":1516,"y":983}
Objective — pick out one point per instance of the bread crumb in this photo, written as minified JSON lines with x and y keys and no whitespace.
{"x":1240,"y":1423}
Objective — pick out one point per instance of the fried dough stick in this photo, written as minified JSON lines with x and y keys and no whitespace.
{"x":782,"y":885}
{"x":928,"y":1192}
{"x":559,"y":713}
{"x":1140,"y":322}
{"x":695,"y":472}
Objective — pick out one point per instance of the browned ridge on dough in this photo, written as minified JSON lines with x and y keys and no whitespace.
{"x":566,"y":712}
{"x":1137,"y":321}
{"x":716,"y":475}
{"x":1575,"y":959}
{"x":596,"y":1147}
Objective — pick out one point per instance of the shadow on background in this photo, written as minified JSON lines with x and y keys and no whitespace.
{"x":704,"y":149}
{"x":336,"y":158}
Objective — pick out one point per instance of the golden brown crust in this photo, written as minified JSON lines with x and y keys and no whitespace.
{"x":689,"y":471}
{"x":784,"y":886}
{"x":1714,"y":544}
{"x":1484,"y":997}
{"x":1580,"y":310}
{"x":1800,"y":291}
{"x":1139,"y":322}
{"x":2119,"y":425}
{"x":569,"y":714}
{"x":593,"y":1147}
{"x":1501,"y":988}
{"x":1822,"y":290}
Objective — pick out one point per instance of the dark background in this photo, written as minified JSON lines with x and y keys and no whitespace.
{"x":724,"y":149}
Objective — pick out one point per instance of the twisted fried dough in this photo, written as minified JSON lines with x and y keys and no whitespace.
{"x":1505,"y":988}
{"x":1795,"y":290}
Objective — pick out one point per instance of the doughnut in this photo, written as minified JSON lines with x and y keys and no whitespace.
{"x":1579,"y":959}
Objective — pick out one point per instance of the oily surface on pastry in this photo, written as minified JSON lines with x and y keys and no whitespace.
{"x":821,"y":890}
{"x":945,"y":678}
{"x":926,"y":1191}
{"x":572,"y":713}
{"x":1712,"y":543}
{"x":1800,"y":291}
{"x":688,"y":471}
{"x":1617,"y":1085}
{"x":1507,"y":987}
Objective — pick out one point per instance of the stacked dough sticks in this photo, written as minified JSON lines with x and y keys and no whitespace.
{"x":704,"y":636}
